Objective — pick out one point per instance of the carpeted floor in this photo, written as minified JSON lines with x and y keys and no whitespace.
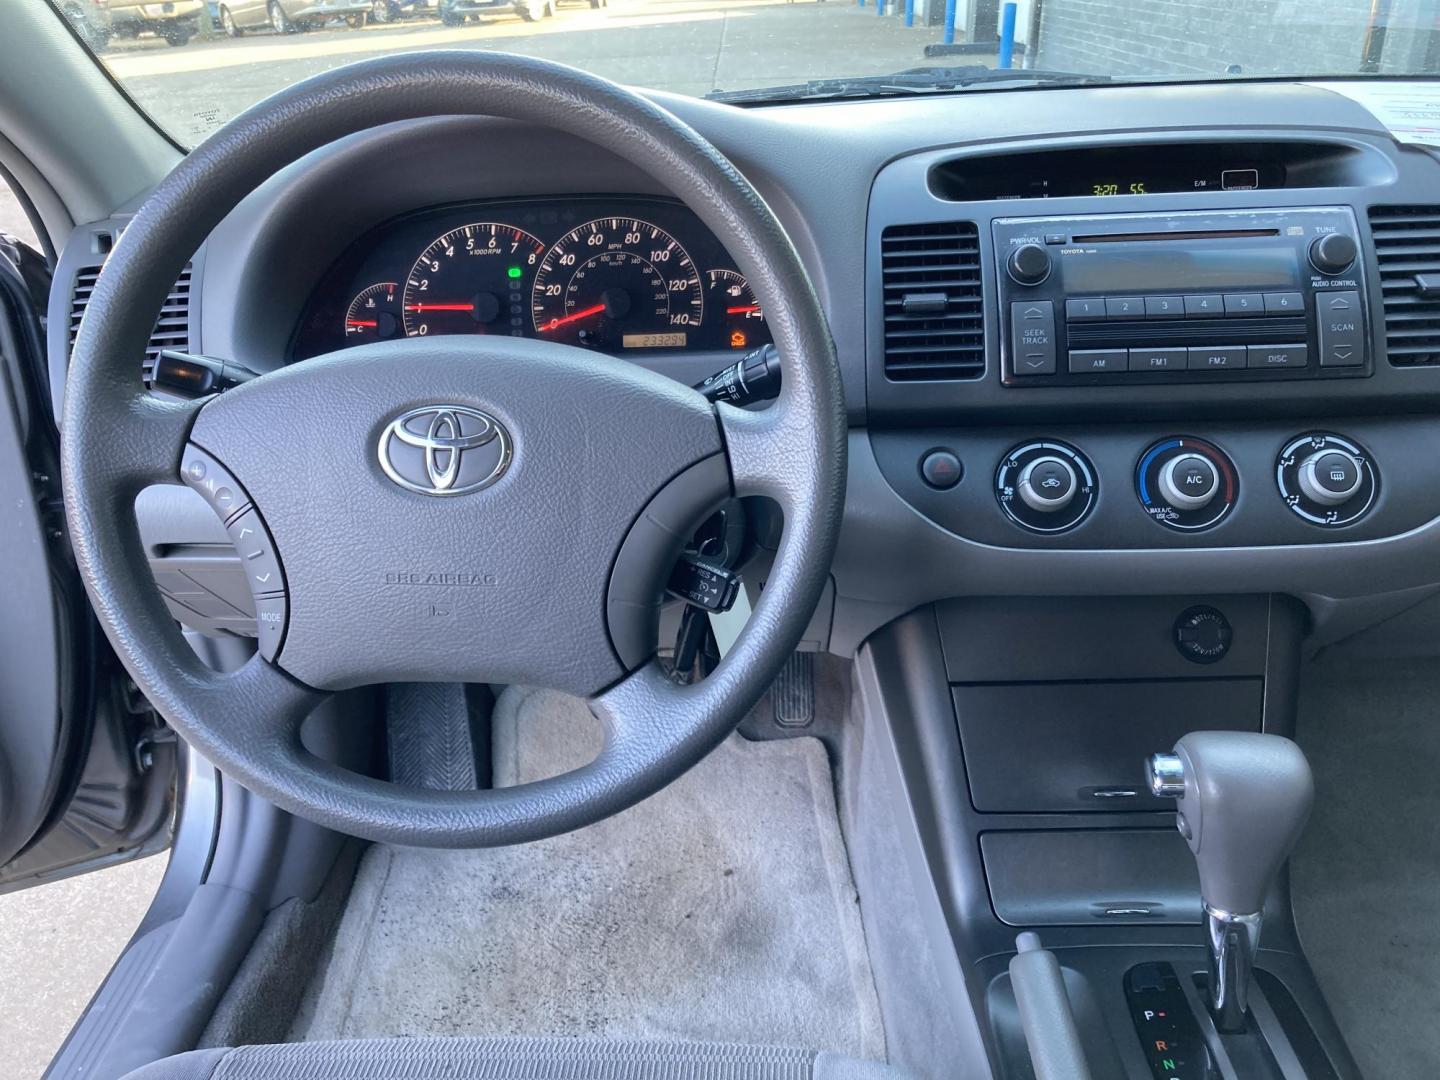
{"x":1366,"y":875}
{"x":720,"y":909}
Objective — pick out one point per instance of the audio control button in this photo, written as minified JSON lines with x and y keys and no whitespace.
{"x":1032,"y":337}
{"x":1214,"y":359}
{"x":1164,"y":307}
{"x":1277,"y":356}
{"x":1342,"y":342}
{"x":1086,"y":309}
{"x":1098,"y":361}
{"x":1208,"y":304}
{"x":1245,"y":303}
{"x":1124,"y":307}
{"x":1161,"y":359}
{"x":1284,"y":303}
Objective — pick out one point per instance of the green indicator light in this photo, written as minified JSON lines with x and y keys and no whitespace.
{"x":514,"y":272}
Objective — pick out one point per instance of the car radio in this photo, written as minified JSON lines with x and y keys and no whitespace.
{"x":1202,"y":296}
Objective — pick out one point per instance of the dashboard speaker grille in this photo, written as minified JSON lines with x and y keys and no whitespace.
{"x":172,"y":328}
{"x":934,"y":308}
{"x":1407,"y":245}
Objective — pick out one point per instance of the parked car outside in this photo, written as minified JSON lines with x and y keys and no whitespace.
{"x":457,"y":12}
{"x":236,"y":17}
{"x":174,"y":20}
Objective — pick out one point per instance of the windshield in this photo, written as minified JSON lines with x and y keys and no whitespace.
{"x":194,"y":64}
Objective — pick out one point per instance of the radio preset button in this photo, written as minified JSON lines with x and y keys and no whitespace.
{"x":1164,"y":307}
{"x":1091,"y":361}
{"x":1124,"y":307}
{"x":1216,"y":359}
{"x":1245,"y":303}
{"x":1162,"y":359}
{"x":1089,"y":309}
{"x":1276,"y":356}
{"x":1032,"y":337}
{"x":1206,"y":304}
{"x":1284,"y":303}
{"x":1342,"y":342}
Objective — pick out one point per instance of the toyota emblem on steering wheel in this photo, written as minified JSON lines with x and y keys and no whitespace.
{"x":444,"y":450}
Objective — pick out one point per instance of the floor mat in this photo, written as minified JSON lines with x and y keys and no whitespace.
{"x":720,"y":909}
{"x":1366,"y":875}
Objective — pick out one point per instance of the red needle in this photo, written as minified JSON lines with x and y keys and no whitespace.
{"x":594,"y":309}
{"x":362,"y":322}
{"x":439,"y":307}
{"x":744,"y":310}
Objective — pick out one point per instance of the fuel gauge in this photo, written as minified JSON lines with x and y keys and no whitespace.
{"x":732,"y":297}
{"x":374,"y":314}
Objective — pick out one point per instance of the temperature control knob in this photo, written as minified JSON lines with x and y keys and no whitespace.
{"x":1189,"y":481}
{"x":1333,"y":253}
{"x":1186,"y":483}
{"x":1327,"y":479}
{"x":1029,"y":264}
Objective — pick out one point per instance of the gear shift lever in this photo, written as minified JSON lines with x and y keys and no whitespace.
{"x":1243,"y":800}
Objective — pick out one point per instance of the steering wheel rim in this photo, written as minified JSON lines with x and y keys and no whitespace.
{"x":118,"y":439}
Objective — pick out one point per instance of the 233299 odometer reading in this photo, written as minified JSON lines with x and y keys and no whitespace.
{"x":618,"y":283}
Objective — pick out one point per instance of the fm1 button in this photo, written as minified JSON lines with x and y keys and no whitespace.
{"x":1047,"y":484}
{"x":941,"y":469}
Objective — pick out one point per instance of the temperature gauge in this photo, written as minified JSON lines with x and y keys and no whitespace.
{"x":374,"y":314}
{"x":730,"y":294}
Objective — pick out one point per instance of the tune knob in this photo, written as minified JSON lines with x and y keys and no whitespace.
{"x":1029,"y":264}
{"x":1333,"y":253}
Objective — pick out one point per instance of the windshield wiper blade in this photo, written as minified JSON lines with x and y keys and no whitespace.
{"x":921,"y":80}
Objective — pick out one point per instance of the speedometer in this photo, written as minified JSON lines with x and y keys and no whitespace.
{"x":472,"y":280}
{"x":618,"y":283}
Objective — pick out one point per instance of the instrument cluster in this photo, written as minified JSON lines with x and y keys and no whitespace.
{"x":617,"y":275}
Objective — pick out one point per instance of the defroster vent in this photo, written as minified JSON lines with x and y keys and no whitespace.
{"x":1407,"y":245}
{"x":934,"y":318}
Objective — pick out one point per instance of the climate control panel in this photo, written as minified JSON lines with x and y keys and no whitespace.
{"x":1138,"y":486}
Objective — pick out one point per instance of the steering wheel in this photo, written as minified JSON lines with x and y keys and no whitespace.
{"x":450,"y":509}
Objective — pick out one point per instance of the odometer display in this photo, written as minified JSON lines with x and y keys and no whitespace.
{"x":615,"y":282}
{"x":473,"y":280}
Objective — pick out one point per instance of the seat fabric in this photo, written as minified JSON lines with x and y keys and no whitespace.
{"x":511,"y":1059}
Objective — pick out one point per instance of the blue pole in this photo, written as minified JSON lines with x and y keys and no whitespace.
{"x":909,"y":12}
{"x":1007,"y":35}
{"x":879,"y":7}
{"x":949,"y":22}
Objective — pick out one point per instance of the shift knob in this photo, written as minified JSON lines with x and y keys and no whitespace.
{"x":1243,"y":799}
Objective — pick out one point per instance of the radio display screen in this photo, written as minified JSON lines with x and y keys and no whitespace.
{"x":1153,"y":268}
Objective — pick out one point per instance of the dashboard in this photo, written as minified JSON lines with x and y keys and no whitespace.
{"x":1049,"y":309}
{"x":619,"y":275}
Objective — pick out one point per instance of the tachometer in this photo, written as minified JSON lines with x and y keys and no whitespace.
{"x":618,"y":283}
{"x":473,"y":280}
{"x":374,"y":314}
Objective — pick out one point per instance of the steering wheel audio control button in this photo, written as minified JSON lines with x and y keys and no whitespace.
{"x":252,"y":541}
{"x":213,"y":481}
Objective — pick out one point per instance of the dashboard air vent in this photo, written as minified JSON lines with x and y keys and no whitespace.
{"x":934,"y":321}
{"x":172,"y":328}
{"x":1407,"y":245}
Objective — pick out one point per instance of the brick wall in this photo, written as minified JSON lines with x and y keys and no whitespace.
{"x":1204,"y":37}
